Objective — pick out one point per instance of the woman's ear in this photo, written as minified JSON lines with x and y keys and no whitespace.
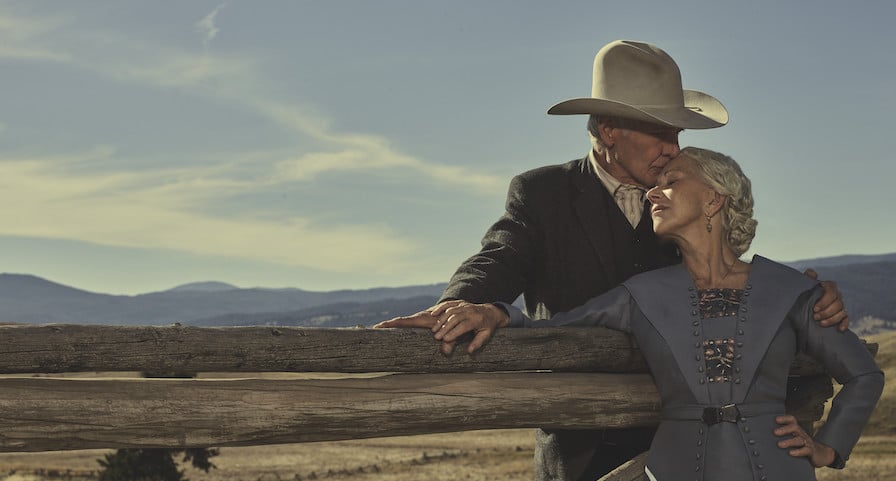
{"x":715,"y":203}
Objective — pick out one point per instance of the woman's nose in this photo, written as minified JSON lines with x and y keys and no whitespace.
{"x":653,"y":195}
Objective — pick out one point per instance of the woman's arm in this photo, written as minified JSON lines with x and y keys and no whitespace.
{"x":453,"y":319}
{"x":846,"y":358}
{"x":612,"y":309}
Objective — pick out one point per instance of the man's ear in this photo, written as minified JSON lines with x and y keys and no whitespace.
{"x":605,"y":128}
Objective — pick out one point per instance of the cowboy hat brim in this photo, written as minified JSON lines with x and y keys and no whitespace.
{"x":700,"y":111}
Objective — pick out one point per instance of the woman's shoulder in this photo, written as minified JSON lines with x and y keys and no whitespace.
{"x":768,"y":271}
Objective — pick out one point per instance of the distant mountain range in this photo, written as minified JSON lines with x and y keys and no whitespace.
{"x":864,"y":281}
{"x":30,"y":299}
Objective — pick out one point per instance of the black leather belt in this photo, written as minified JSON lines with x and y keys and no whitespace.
{"x":729,"y":413}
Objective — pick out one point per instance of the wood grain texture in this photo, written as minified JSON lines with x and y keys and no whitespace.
{"x":38,"y":414}
{"x":73,"y":348}
{"x":56,"y":414}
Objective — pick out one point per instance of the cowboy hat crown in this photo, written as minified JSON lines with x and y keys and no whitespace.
{"x":640,"y":81}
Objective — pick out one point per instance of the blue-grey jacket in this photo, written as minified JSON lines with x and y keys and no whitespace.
{"x":774,"y":323}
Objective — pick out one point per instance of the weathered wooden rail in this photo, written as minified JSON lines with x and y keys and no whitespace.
{"x":555,"y":378}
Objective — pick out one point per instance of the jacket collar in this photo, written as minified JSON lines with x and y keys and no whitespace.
{"x":668,"y":299}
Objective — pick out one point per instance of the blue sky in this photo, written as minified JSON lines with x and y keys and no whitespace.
{"x":351,"y":144}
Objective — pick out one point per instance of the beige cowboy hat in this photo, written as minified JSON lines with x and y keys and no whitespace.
{"x":637,"y":80}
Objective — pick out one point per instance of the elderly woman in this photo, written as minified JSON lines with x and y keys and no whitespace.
{"x":719,"y":335}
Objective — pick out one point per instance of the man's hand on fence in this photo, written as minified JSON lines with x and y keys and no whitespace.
{"x":456,"y":318}
{"x":423,"y":319}
{"x":450,"y":320}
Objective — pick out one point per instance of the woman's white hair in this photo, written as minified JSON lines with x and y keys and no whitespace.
{"x":726,"y":177}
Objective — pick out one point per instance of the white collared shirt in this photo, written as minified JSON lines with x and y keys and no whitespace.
{"x":629,"y":198}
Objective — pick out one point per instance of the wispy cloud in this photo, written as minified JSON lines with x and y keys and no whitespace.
{"x":207,"y":26}
{"x":349,"y":149}
{"x":235,"y":80}
{"x":167,"y":208}
{"x":20,"y":35}
{"x":158,"y":211}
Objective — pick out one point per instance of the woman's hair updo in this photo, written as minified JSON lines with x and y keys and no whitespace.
{"x":725,"y":177}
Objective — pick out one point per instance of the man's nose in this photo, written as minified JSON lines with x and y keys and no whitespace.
{"x":671,"y":149}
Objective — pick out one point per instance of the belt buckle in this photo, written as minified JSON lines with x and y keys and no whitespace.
{"x":727,"y":413}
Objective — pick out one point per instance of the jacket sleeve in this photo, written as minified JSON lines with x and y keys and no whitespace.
{"x":502,"y":268}
{"x":846,"y":358}
{"x":613,"y":309}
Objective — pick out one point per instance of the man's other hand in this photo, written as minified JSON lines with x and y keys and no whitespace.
{"x":829,"y":310}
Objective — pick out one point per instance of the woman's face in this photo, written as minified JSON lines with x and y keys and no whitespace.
{"x":680,"y":200}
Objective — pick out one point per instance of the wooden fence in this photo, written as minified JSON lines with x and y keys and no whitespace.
{"x":553,"y":378}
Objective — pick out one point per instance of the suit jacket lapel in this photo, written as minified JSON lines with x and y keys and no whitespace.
{"x":592,"y":206}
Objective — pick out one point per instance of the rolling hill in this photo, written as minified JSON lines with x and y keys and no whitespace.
{"x":864,"y":281}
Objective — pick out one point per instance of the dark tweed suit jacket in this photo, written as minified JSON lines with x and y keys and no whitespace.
{"x":773,"y":322}
{"x":561,"y":241}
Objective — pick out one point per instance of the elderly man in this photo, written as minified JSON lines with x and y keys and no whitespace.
{"x":575,"y":230}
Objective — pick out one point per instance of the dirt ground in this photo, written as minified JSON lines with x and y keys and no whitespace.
{"x":475,"y":456}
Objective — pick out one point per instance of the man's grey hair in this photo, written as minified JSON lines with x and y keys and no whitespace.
{"x":593,"y":127}
{"x":594,"y":132}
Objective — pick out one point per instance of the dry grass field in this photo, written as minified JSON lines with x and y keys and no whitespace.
{"x":476,"y":456}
